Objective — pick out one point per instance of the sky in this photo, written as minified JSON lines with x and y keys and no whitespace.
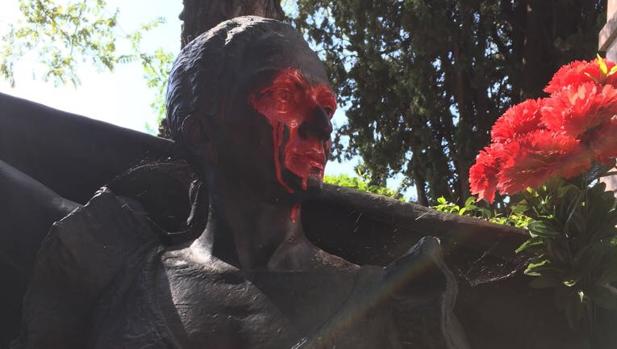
{"x":121,"y":97}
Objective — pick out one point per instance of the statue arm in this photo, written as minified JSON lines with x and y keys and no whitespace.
{"x":77,"y":261}
{"x":424,"y":292}
{"x":420,"y":291}
{"x":27,"y":211}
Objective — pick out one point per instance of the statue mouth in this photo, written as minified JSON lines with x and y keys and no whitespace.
{"x":308,"y":166}
{"x":312,"y":160}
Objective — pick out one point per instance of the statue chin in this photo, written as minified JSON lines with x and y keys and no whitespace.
{"x":314,"y":182}
{"x":304,"y":188}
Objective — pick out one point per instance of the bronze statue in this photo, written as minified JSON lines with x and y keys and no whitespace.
{"x":249,"y":105}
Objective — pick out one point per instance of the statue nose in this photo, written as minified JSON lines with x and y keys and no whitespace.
{"x":317,"y":125}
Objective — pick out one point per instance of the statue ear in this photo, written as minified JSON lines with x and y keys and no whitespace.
{"x":196,"y":138}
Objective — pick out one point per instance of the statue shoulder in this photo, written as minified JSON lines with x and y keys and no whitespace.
{"x":108,"y":226}
{"x":78,"y":259}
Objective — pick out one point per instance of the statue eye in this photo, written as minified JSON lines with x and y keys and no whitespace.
{"x":329,"y":110}
{"x":284,"y":95}
{"x":282,"y":98}
{"x":325,"y":98}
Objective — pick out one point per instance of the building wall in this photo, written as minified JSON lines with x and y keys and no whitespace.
{"x":612,"y":7}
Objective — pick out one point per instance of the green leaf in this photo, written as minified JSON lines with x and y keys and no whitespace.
{"x":602,"y":64}
{"x":577,"y":309}
{"x":609,"y":274}
{"x":530,"y":243}
{"x":469,"y":202}
{"x":535,"y":268}
{"x":604,"y":296}
{"x":541,"y":229}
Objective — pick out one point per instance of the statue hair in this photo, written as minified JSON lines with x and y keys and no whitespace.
{"x":207,"y":68}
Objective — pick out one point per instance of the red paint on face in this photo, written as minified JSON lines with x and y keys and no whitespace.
{"x":295,"y":212}
{"x":299,"y":114}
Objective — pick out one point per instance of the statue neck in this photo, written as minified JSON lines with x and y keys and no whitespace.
{"x":253,"y":234}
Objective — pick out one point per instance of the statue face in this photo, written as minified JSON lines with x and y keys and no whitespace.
{"x":299,"y":113}
{"x":272,"y":132}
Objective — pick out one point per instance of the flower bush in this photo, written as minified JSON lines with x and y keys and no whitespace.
{"x":548,"y":156}
{"x":559,"y":136}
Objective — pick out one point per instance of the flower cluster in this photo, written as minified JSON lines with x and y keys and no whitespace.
{"x":557,"y":136}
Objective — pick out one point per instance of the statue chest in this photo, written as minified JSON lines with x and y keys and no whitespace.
{"x":232,"y":309}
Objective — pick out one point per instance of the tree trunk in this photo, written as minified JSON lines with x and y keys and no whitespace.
{"x":201,"y":15}
{"x":538,"y":51}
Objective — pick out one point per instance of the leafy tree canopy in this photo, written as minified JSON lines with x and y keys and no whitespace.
{"x":424,"y":80}
{"x":65,"y":34}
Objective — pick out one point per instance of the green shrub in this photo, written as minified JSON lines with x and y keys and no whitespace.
{"x":362,"y":185}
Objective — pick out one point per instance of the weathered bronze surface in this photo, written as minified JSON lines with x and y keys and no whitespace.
{"x":126,"y":269}
{"x":106,"y":276}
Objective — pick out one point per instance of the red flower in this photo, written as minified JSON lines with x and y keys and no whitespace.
{"x":483,"y":174}
{"x":518,"y":121}
{"x":580,"y":72}
{"x":558,"y":136}
{"x":539,"y":156}
{"x":604,"y":142}
{"x":577,"y":110}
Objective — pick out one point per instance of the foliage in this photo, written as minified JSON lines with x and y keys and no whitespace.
{"x":553,"y":152}
{"x":424,"y":80}
{"x":361,"y":185}
{"x":574,"y":246}
{"x":156,"y":66}
{"x":65,"y":35}
{"x":513,"y":215}
{"x":557,"y":136}
{"x":156,"y":72}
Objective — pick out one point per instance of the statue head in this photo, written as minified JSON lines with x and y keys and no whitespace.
{"x":249,"y":100}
